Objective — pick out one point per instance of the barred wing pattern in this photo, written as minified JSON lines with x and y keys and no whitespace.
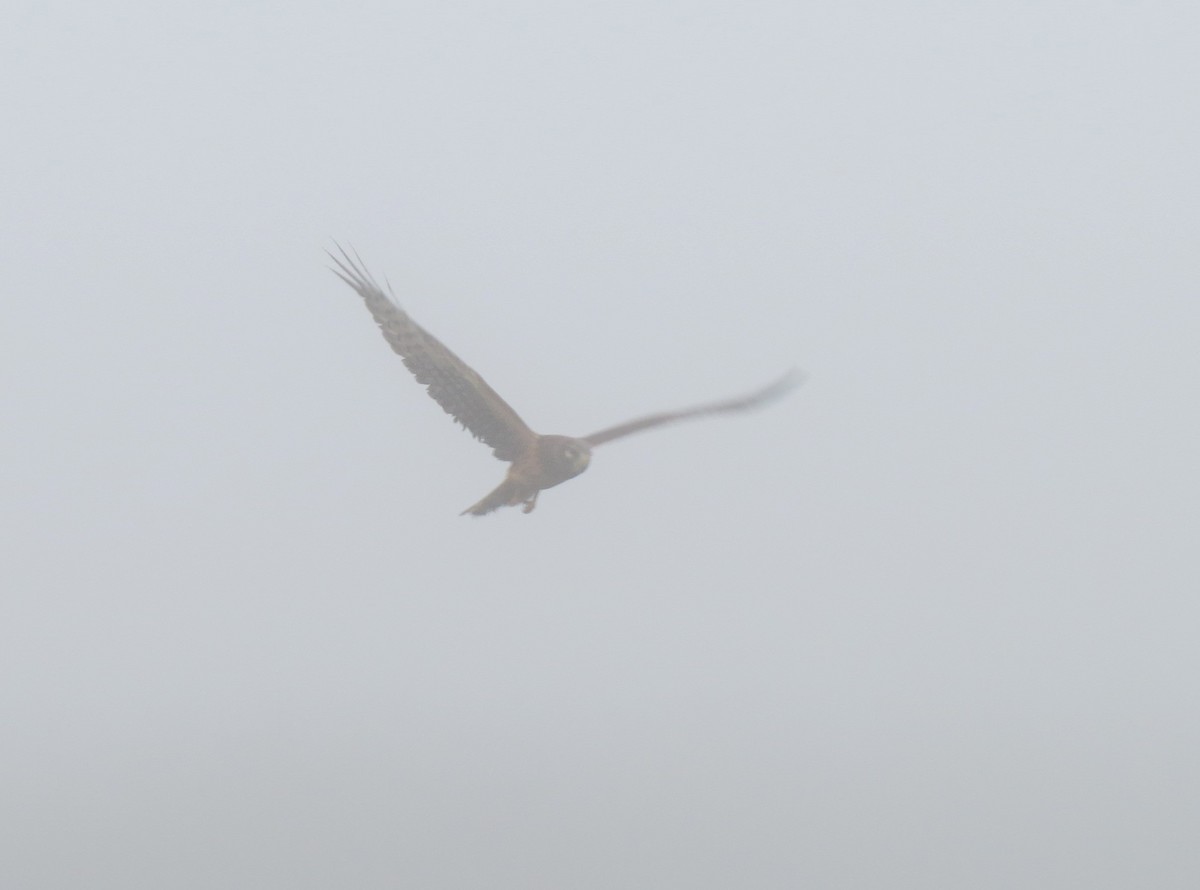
{"x":462,"y":393}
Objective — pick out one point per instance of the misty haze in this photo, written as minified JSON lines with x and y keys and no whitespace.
{"x":930,"y":621}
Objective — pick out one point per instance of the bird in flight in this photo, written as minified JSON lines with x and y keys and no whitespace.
{"x":538,"y":462}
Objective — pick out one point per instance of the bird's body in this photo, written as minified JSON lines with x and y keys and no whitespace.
{"x":552,"y":461}
{"x":538,"y":461}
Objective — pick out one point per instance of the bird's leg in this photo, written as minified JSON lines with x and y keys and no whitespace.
{"x":530,"y":503}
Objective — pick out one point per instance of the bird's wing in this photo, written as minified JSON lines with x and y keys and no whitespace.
{"x":742,"y":403}
{"x":462,"y":393}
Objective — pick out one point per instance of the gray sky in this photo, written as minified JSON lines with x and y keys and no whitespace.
{"x":931,"y":622}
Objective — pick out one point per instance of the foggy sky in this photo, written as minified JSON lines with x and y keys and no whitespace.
{"x":928,"y":622}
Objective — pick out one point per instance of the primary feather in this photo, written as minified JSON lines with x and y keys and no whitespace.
{"x":461,"y":392}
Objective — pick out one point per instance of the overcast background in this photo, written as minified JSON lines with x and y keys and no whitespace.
{"x":930,"y":622}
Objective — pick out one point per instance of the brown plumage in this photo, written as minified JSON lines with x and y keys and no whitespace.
{"x":538,"y":462}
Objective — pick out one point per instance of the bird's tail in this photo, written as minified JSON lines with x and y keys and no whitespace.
{"x":506,"y":493}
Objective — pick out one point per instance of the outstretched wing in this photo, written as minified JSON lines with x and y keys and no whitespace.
{"x":461,"y":392}
{"x":753,"y":400}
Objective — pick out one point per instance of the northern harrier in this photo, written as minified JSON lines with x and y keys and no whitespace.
{"x":538,"y":462}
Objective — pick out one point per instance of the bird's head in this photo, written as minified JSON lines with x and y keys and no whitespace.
{"x":565,"y":457}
